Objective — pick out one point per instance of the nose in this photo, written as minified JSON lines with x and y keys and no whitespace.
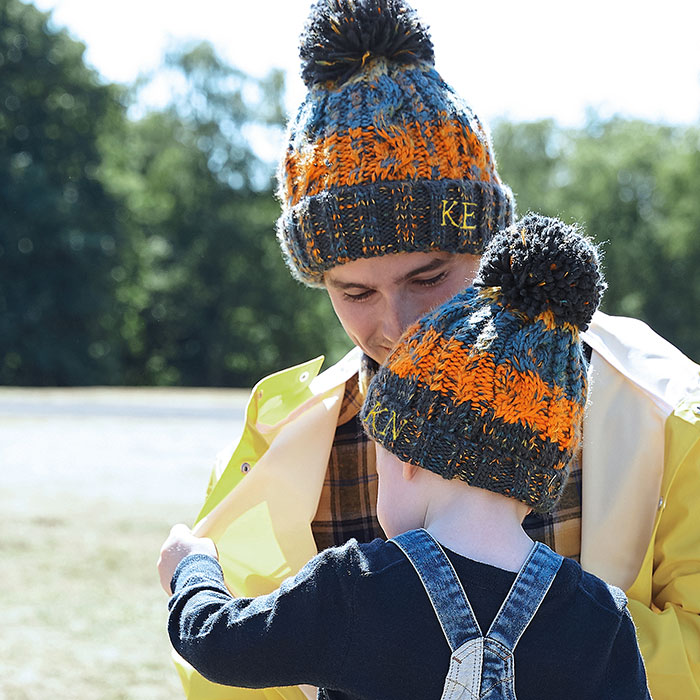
{"x":399,"y":314}
{"x":391,"y":327}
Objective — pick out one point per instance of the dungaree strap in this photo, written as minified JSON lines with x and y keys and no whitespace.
{"x":525,"y":596}
{"x":442,"y":585}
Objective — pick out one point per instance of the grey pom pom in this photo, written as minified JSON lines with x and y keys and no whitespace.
{"x":541,"y":263}
{"x":342,"y":35}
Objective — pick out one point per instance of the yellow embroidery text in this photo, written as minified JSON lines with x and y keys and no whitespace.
{"x":451,"y":209}
{"x":388,"y":421}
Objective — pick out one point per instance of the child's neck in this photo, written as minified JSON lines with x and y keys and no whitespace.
{"x":480,"y":525}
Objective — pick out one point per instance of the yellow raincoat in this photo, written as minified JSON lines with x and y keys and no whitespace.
{"x":640,"y":523}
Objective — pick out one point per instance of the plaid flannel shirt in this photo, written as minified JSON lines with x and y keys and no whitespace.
{"x":348,"y":504}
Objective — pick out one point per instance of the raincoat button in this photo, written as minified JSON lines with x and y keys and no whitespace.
{"x":245,"y":467}
{"x":661,"y":503}
{"x":696,"y":409}
{"x":303,"y":377}
{"x":260,"y":394}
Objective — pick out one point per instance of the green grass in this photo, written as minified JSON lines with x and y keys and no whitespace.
{"x":83,"y":615}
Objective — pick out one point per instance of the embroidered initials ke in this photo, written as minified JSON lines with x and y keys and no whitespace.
{"x":451,"y":209}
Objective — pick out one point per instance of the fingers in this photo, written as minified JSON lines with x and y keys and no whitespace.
{"x":180,"y":531}
{"x":179,"y":544}
{"x":164,"y":575}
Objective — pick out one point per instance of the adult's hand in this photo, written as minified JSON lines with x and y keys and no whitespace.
{"x":179,"y":543}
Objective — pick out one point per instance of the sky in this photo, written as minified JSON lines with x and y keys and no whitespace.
{"x":517,"y":59}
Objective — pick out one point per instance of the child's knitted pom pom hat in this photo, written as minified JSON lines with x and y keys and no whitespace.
{"x":490,"y":387}
{"x":382,"y":156}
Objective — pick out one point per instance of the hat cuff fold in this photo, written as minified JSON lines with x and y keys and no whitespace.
{"x":464,"y":441}
{"x":363,"y":221}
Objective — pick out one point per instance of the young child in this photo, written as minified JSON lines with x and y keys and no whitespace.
{"x":476,"y":415}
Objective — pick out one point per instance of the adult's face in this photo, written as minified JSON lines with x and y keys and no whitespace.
{"x":376,"y":299}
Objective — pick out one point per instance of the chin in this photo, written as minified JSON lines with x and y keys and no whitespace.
{"x":379,"y":355}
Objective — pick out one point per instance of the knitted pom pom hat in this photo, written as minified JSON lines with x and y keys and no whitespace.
{"x":382,"y":157}
{"x":490,"y":387}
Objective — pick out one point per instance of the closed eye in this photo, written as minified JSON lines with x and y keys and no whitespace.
{"x":362,"y":296}
{"x":432,"y":281}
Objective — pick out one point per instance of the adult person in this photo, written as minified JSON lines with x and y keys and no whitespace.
{"x":389,"y":193}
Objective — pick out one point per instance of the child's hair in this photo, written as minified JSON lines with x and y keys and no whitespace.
{"x":490,"y":387}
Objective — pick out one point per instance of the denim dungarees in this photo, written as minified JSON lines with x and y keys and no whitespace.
{"x":481,"y":666}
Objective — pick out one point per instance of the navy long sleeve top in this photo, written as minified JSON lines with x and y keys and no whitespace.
{"x":357,"y":623}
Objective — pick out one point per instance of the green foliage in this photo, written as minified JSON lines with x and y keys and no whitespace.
{"x":529,"y":156}
{"x":142,"y":249}
{"x":633,"y":187}
{"x":58,"y":239}
{"x":207,"y":298}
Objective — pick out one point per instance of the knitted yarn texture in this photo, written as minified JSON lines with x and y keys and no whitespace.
{"x":491,"y":386}
{"x":382,"y":156}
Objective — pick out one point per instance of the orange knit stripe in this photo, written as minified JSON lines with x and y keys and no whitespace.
{"x":522,"y":397}
{"x":515,"y":396}
{"x":359,"y":155}
{"x":414,"y":357}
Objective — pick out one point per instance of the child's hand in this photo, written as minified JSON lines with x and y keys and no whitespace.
{"x":177,"y":546}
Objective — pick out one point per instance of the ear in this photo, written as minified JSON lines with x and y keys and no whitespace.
{"x":409,"y":470}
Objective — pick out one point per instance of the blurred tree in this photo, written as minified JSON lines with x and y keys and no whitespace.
{"x":142,"y":250}
{"x":58,"y":238}
{"x":632,"y":185}
{"x":211,"y":302}
{"x":678,"y":203}
{"x":530,"y":160}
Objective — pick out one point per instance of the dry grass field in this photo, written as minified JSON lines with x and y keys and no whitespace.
{"x":90,"y":482}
